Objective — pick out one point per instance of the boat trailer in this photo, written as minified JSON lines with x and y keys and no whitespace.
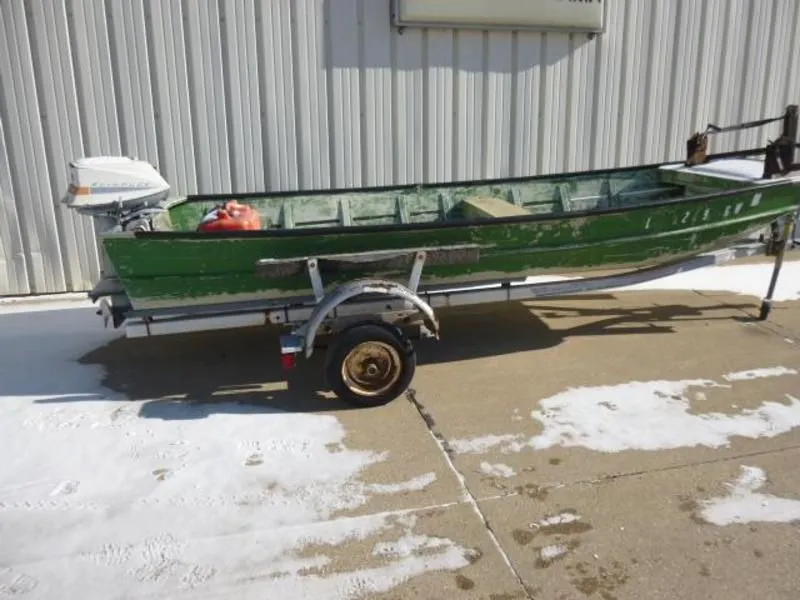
{"x":371,"y":360}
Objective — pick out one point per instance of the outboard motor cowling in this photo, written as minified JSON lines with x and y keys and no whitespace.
{"x":116,"y":189}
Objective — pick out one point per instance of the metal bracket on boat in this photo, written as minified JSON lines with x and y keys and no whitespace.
{"x":416,"y":270}
{"x":779,"y":155}
{"x":380,"y":263}
{"x":780,"y":234}
{"x":384,"y":287}
{"x":319,"y":289}
{"x":382,"y":259}
{"x":316,"y":279}
{"x":112,"y":309}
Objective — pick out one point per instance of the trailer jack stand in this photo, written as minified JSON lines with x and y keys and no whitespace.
{"x":780,"y":245}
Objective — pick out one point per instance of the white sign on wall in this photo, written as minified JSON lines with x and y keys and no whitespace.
{"x":554,"y":15}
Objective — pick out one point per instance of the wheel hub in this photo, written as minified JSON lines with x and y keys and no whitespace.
{"x":371,"y":368}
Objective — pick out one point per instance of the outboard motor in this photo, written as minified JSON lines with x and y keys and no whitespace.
{"x":120,"y":193}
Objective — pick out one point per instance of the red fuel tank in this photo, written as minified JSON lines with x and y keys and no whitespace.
{"x":231,"y":216}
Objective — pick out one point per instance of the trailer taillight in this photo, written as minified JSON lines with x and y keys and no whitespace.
{"x":289,"y":360}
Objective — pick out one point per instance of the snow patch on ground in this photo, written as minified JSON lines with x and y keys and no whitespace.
{"x":413,"y":485}
{"x":497,"y":470}
{"x":478,"y":445}
{"x":97,"y":500}
{"x":643,"y":415}
{"x":44,"y":302}
{"x":559,"y":519}
{"x":745,"y":504}
{"x":745,"y":280}
{"x":550,"y":553}
{"x":759,"y":374}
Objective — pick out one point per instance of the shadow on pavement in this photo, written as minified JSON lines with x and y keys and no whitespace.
{"x":194,"y":375}
{"x":627,"y":320}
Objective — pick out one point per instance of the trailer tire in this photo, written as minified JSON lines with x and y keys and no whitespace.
{"x":370,"y":364}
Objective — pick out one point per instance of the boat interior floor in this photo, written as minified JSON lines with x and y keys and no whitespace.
{"x":561,"y":194}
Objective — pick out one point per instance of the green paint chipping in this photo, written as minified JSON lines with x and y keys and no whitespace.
{"x":584,"y":221}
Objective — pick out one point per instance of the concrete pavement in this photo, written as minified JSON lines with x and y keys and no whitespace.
{"x":615,"y":510}
{"x":618,"y":446}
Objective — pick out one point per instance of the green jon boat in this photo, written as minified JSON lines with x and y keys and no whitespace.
{"x":367,"y":264}
{"x":483,"y":230}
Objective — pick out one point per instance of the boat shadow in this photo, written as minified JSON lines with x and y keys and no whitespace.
{"x":238,"y":371}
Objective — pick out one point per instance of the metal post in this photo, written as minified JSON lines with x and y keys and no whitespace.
{"x":790,"y":131}
{"x":766,"y":303}
{"x":790,"y":122}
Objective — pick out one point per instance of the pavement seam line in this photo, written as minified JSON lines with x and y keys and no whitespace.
{"x":699,"y":463}
{"x":467,"y":495}
{"x":629,"y":474}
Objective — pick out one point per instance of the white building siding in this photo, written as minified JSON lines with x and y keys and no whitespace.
{"x":241,"y":95}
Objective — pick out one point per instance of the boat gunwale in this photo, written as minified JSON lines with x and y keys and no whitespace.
{"x":461,"y":223}
{"x":191,"y":198}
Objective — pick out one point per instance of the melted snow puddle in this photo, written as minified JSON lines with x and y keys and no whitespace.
{"x":649,"y":415}
{"x":210,"y":499}
{"x":744,"y":504}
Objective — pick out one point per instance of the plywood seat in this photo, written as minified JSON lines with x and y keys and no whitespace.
{"x":492,"y":208}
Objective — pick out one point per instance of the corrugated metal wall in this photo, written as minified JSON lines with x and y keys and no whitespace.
{"x":238,"y":95}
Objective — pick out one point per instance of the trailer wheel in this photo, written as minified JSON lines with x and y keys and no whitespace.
{"x":370,"y":364}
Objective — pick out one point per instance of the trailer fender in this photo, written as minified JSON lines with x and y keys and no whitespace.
{"x":358,"y":288}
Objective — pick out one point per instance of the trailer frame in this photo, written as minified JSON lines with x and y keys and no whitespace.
{"x":372,"y":321}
